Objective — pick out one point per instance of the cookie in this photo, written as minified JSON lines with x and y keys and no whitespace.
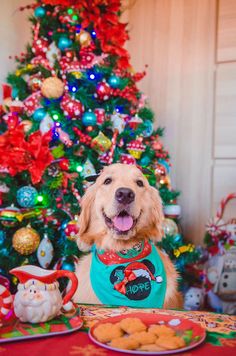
{"x":125,"y":343}
{"x":170,"y":343}
{"x":144,"y":337}
{"x":151,"y":348}
{"x":107,"y":332}
{"x":132,"y":325}
{"x":160,"y":330}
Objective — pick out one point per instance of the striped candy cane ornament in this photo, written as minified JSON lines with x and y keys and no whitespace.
{"x":5,"y":301}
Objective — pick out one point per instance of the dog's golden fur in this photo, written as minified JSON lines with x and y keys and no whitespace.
{"x":99,"y":201}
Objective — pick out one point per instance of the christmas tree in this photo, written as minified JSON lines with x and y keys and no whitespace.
{"x":71,"y":107}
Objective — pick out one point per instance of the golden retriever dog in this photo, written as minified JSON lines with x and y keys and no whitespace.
{"x":121,"y":219}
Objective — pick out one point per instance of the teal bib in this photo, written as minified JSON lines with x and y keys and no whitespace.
{"x":134,"y":278}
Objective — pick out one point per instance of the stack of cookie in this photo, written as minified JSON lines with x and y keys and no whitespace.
{"x":133,"y":334}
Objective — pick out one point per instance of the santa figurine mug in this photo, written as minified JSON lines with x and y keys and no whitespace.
{"x":38,"y":298}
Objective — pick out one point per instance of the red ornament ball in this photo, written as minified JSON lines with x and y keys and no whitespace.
{"x":72,"y":230}
{"x":64,"y":164}
{"x":103,"y":91}
{"x":71,"y":107}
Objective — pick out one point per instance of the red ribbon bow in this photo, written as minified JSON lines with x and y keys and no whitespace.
{"x":129,"y":276}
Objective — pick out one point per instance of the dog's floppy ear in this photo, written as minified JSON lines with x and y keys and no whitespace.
{"x":92,"y":178}
{"x":157,"y":216}
{"x":85,"y":215}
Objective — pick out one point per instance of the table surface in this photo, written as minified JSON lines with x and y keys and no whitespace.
{"x":221,"y":335}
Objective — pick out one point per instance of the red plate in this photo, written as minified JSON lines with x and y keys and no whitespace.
{"x":192,"y":333}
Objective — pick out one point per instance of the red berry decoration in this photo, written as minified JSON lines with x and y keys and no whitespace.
{"x":103,"y":91}
{"x":71,"y":107}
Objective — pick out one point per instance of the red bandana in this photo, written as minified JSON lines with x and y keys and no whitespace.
{"x":138,"y":251}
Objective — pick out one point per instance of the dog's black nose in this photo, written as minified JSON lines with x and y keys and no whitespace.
{"x":125,"y":195}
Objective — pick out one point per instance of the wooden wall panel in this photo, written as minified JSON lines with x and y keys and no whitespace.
{"x":225,"y":111}
{"x":226,"y":44}
{"x":177,"y":40}
{"x":14,"y":33}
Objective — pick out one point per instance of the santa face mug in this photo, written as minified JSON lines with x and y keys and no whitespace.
{"x":38,"y":298}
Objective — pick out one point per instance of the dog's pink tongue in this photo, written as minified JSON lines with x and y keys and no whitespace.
{"x":123,"y":223}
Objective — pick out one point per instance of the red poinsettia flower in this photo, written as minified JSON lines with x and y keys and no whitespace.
{"x":18,"y":154}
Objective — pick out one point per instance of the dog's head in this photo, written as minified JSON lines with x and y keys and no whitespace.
{"x":120,"y":208}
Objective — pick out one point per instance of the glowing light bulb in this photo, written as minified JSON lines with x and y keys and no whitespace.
{"x":92,"y":76}
{"x":79,"y":169}
{"x":55,"y":116}
{"x":40,"y":198}
{"x":70,"y":11}
{"x":74,"y":89}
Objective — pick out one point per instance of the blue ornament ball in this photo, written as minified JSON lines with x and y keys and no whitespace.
{"x":165,"y":164}
{"x":178,"y":238}
{"x":145,"y":160}
{"x":68,"y":266}
{"x":148,"y":128}
{"x":4,"y":252}
{"x":2,"y":236}
{"x":39,"y":11}
{"x":114,"y":81}
{"x":64,"y":43}
{"x":26,"y":196}
{"x":89,"y":118}
{"x":39,"y":114}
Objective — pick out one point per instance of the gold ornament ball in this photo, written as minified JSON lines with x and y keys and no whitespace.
{"x":84,"y":38}
{"x":25,"y":241}
{"x":52,"y":88}
{"x":170,"y":227}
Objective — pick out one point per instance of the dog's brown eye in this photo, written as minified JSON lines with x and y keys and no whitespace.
{"x":107,"y":181}
{"x":140,"y":183}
